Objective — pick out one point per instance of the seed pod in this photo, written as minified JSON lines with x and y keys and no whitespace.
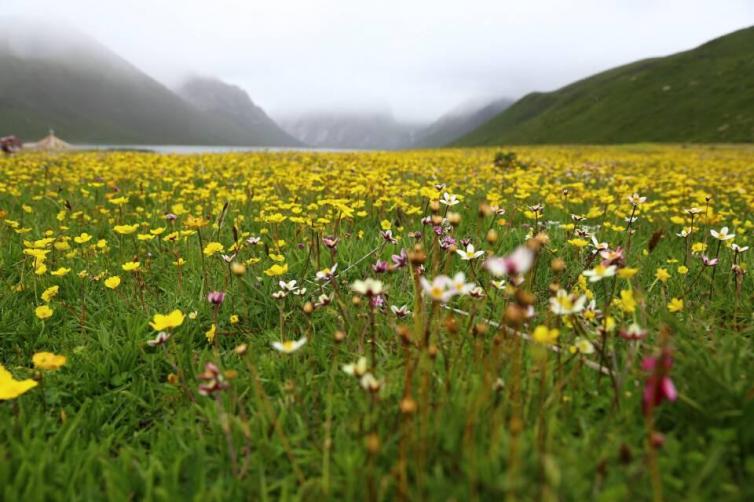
{"x":408,"y":405}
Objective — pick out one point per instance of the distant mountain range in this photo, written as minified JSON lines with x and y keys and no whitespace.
{"x":701,"y":95}
{"x":380,"y":130}
{"x":460,"y":121}
{"x":62,"y":80}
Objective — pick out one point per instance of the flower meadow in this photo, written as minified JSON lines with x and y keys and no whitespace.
{"x":570,"y":323}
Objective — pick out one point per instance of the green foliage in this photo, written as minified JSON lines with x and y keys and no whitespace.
{"x":701,"y":96}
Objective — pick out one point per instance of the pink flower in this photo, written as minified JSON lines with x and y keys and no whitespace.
{"x":330,"y":241}
{"x":216,"y":297}
{"x":658,"y":386}
{"x":518,"y":262}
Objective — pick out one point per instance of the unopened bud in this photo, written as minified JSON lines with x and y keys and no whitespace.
{"x":514,"y":315}
{"x":408,"y":405}
{"x":557,"y":265}
{"x":451,"y":324}
{"x":492,"y":236}
{"x":417,"y":256}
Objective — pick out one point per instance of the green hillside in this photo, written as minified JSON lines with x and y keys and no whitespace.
{"x":67,"y":82}
{"x":703,"y":95}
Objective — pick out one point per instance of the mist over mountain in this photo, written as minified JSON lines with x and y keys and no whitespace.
{"x":230,"y":103}
{"x":460,"y":121}
{"x":350,"y":129}
{"x":55,"y":78}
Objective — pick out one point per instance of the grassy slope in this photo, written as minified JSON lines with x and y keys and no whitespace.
{"x":104,"y":103}
{"x":702,"y":95}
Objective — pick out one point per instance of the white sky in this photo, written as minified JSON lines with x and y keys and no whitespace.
{"x":420,"y":58}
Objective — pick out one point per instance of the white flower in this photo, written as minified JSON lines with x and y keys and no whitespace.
{"x":459,"y":285}
{"x":599,"y":246}
{"x":287,"y":286}
{"x":368,"y":287}
{"x":600,"y":272}
{"x":499,"y":284}
{"x":279,"y":295}
{"x":401,"y":311}
{"x":161,"y":338}
{"x":722,"y":235}
{"x":439,"y":290}
{"x":449,"y":200}
{"x":289,"y":346}
{"x":356,"y":369}
{"x":635,"y":199}
{"x":518,"y":262}
{"x":326,"y":274}
{"x":369,"y":383}
{"x":739,"y":249}
{"x":564,"y":304}
{"x":470,"y":253}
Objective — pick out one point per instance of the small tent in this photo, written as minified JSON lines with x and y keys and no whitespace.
{"x":49,"y":143}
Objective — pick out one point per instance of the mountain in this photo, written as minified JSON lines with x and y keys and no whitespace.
{"x":702,"y":95}
{"x":231,"y":104}
{"x":459,"y":122}
{"x":350,"y":129}
{"x":54,"y":78}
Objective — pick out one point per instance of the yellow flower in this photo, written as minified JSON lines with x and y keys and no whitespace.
{"x":234,"y":319}
{"x":60,"y":272}
{"x":662,"y":275}
{"x":41,"y":269}
{"x":578,"y":242}
{"x":119,"y":201}
{"x":131,"y":266}
{"x":10,"y":388}
{"x":112,"y":282}
{"x":276,"y":270}
{"x":675,"y":305}
{"x":627,"y":273}
{"x":210,"y":334}
{"x":386,"y":225}
{"x":162,"y":322}
{"x":83,"y":238}
{"x":627,"y":301}
{"x":194,"y":222}
{"x":48,"y":361}
{"x":683,"y":270}
{"x":50,"y":293}
{"x":43,"y":312}
{"x":545,"y":335}
{"x":126,"y":229}
{"x":212,"y":248}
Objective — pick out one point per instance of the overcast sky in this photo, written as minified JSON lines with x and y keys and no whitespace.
{"x":418,"y":58}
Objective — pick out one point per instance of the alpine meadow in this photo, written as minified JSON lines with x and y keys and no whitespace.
{"x":349,"y":251}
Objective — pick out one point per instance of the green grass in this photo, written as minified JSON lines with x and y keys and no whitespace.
{"x":699,"y":96}
{"x":109,"y":426}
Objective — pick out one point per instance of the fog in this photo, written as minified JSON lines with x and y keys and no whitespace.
{"x":416,"y":59}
